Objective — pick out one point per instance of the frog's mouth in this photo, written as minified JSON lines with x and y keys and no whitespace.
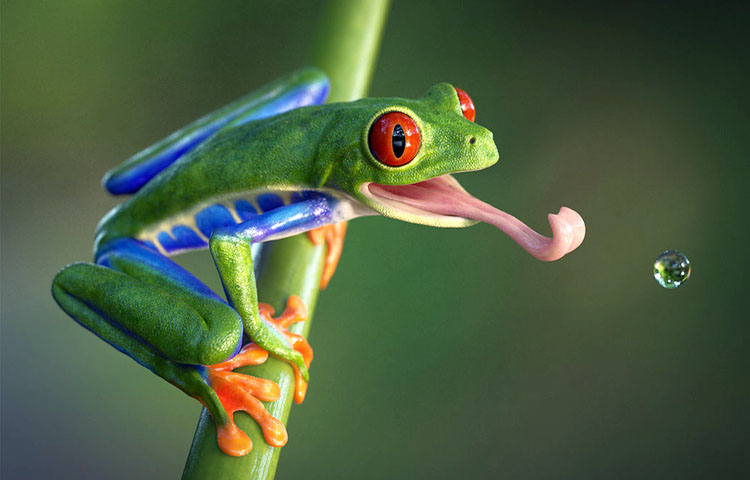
{"x":442,"y":202}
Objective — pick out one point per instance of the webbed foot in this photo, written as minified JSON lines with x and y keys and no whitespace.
{"x":295,"y":311}
{"x":236,"y":391}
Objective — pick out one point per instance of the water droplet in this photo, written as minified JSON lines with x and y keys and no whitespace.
{"x":671,"y":269}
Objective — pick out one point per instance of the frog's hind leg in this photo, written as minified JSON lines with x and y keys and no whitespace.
{"x":150,"y":308}
{"x":302,"y":88}
{"x":146,"y":295}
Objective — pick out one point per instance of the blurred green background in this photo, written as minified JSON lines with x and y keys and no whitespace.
{"x":439,"y":353}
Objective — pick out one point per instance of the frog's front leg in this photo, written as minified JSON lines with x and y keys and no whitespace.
{"x":230,"y":248}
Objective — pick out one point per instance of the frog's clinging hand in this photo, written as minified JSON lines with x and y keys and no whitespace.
{"x":273,"y":164}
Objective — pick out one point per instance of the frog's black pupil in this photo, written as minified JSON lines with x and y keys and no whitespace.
{"x":399,"y":140}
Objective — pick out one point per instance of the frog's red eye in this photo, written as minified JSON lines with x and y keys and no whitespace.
{"x":394,"y":139}
{"x":467,"y":106}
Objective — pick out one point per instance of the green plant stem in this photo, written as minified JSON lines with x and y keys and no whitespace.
{"x":347,"y":45}
{"x":346,"y":48}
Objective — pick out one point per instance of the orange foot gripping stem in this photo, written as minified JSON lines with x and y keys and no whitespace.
{"x":334,"y":237}
{"x":236,"y":391}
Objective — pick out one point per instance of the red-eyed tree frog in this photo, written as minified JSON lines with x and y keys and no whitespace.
{"x":273,"y":164}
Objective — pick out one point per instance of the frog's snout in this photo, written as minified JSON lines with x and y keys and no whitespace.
{"x":483,"y":148}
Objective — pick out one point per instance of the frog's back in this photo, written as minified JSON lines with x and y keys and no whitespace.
{"x":234,"y":176}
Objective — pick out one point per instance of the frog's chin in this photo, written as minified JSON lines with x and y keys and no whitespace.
{"x":400,"y":201}
{"x":442,"y":202}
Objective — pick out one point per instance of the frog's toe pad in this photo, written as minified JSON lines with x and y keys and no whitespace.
{"x":295,"y":311}
{"x":233,"y":441}
{"x":243,"y":392}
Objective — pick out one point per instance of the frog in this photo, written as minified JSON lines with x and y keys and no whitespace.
{"x":275,"y":163}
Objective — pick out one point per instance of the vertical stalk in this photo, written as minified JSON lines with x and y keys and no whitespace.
{"x":347,"y":45}
{"x":345,"y":48}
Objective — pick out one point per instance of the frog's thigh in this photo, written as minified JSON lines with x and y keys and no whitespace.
{"x":146,"y":295}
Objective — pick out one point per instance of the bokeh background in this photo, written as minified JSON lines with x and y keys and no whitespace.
{"x":439,"y":353}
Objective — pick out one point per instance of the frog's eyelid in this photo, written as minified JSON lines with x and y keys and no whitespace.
{"x":467,"y":104}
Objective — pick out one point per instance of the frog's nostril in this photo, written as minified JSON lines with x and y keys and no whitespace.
{"x":473,"y":140}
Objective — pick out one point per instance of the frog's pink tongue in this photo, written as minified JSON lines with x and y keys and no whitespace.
{"x":444,"y":196}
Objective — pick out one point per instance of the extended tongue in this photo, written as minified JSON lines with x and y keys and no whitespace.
{"x":444,"y":196}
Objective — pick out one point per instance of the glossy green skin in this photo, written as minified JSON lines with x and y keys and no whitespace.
{"x":319,"y":147}
{"x":312,"y":148}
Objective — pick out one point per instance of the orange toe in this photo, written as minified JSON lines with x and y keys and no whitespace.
{"x":334,"y":237}
{"x":238,"y":392}
{"x":295,"y":311}
{"x":251,"y":354}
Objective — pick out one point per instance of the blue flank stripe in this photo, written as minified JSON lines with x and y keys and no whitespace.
{"x":182,"y":237}
{"x":213,"y":217}
{"x":151,"y":245}
{"x":167,"y":242}
{"x":245,"y":209}
{"x":269,"y":201}
{"x":304,"y":195}
{"x":187,"y":236}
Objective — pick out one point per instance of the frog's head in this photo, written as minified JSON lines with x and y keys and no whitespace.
{"x":404,"y":158}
